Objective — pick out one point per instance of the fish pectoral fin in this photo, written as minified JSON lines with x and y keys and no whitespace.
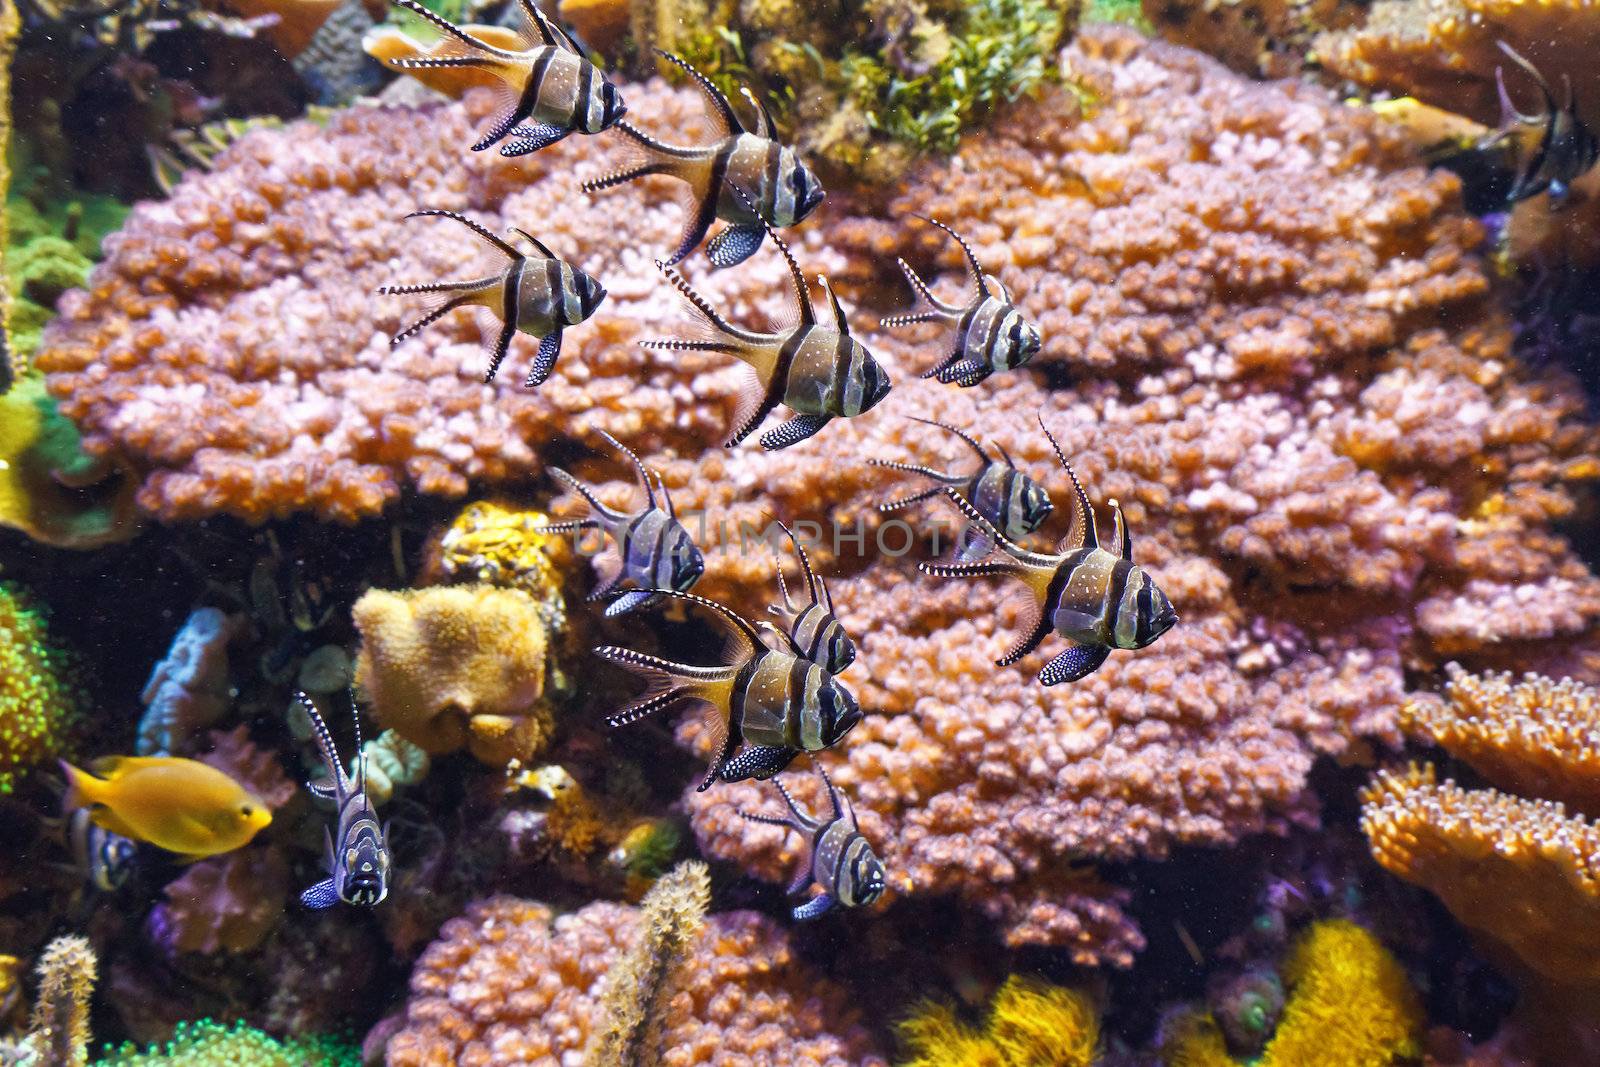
{"x":801,"y":879}
{"x":735,"y":244}
{"x":760,"y":761}
{"x":699,"y":221}
{"x":814,"y":908}
{"x":629,"y":601}
{"x":531,"y":138}
{"x":322,"y":895}
{"x":793,"y":431}
{"x":544,"y":361}
{"x":714,"y":719}
{"x":756,"y":401}
{"x":1073,"y":664}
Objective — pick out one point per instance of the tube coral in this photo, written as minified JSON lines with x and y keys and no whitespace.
{"x":508,"y":983}
{"x":1029,"y":1024}
{"x":633,"y":1007}
{"x":36,"y":703}
{"x":456,"y":666}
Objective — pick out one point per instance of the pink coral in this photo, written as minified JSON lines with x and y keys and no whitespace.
{"x":231,"y":345}
{"x":507,"y":983}
{"x":224,"y":904}
{"x":257,"y":769}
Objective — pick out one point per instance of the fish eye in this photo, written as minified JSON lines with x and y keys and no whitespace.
{"x":246,"y":810}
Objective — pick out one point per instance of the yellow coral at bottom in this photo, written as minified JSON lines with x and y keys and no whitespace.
{"x":209,"y":1044}
{"x":1350,"y":1005}
{"x":1030,"y":1024}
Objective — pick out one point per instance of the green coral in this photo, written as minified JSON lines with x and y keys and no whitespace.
{"x":995,"y":52}
{"x":37,"y":705}
{"x":52,"y":243}
{"x":210,"y":1044}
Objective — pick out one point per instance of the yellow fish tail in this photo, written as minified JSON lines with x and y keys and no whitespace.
{"x":83,"y":788}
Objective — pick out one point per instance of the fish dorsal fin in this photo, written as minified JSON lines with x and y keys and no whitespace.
{"x":807,"y":822}
{"x":666,"y":497}
{"x":977,"y":449}
{"x":973,"y":267}
{"x":533,"y":22}
{"x":827,"y":594}
{"x":1507,"y":109}
{"x":535,"y":242}
{"x":783,"y":587}
{"x":477,"y":228}
{"x":840,"y":323}
{"x":805,"y":566}
{"x":1082,"y":534}
{"x":361,"y":752}
{"x":750,"y":641}
{"x":1005,"y":455}
{"x":1124,"y":538}
{"x":325,"y":745}
{"x":638,"y":466}
{"x":833,"y":794}
{"x":721,"y":110}
{"x":764,"y":124}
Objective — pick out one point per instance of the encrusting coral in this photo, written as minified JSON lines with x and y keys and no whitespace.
{"x":49,"y":488}
{"x":224,"y":904}
{"x":635,"y":1006}
{"x":1029,"y":1024}
{"x":456,"y":666}
{"x":37,"y":704}
{"x":497,"y":545}
{"x":1350,"y":1005}
{"x":508,"y":983}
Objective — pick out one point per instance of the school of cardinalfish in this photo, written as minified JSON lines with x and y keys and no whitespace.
{"x":778,"y":694}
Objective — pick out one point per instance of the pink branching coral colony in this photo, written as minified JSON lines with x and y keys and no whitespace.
{"x":1264,"y":335}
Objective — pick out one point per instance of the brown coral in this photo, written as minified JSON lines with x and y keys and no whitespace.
{"x":456,"y":666}
{"x":257,"y":769}
{"x":508,"y":984}
{"x":1445,"y":51}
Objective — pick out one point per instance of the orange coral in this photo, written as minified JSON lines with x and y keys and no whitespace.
{"x":507,"y":983}
{"x":1533,"y":736}
{"x":1520,"y":873}
{"x":456,"y":666}
{"x":389,"y":43}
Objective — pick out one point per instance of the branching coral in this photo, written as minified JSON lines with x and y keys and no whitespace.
{"x":508,"y":984}
{"x":634,"y":1006}
{"x":456,"y":666}
{"x":1029,"y":1024}
{"x":49,"y":488}
{"x":209,"y":1044}
{"x":1239,"y":284}
{"x":37,"y":705}
{"x":1350,"y":1005}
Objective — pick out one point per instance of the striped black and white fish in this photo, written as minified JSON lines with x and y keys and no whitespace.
{"x":838,"y":858}
{"x":1013,"y":503}
{"x":811,"y":629}
{"x":816,"y":370}
{"x":358,"y":851}
{"x":543,"y":91}
{"x":778,"y":703}
{"x":743,"y":178}
{"x":1566,"y":148}
{"x":1095,"y":599}
{"x":991,"y":334}
{"x":105,"y":859}
{"x":537,"y":295}
{"x":655,"y":551}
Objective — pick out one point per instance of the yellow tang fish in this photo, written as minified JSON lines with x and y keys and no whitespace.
{"x":181,"y":805}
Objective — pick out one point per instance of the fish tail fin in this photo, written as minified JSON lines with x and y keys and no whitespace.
{"x":83,"y":788}
{"x":669,"y":682}
{"x":714,"y":333}
{"x":646,"y":156}
{"x":443,"y":298}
